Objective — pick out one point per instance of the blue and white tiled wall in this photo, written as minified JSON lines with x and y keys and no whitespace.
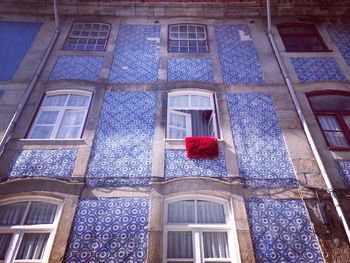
{"x":136,"y":56}
{"x":109,"y":230}
{"x":43,"y":163}
{"x":343,"y":167}
{"x":341,"y":37}
{"x":238,"y":59}
{"x":122,"y":149}
{"x":281,"y":231}
{"x":262,"y":157}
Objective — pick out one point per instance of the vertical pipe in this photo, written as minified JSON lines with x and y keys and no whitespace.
{"x":55,"y":9}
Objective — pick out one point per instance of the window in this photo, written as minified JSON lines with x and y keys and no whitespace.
{"x":197,"y":230}
{"x":188,"y":38}
{"x":191,"y":114}
{"x":88,"y":36}
{"x":332,"y":111}
{"x":27,"y":230}
{"x":61,"y":116}
{"x":301,"y":37}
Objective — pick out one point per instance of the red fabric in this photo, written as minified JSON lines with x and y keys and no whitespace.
{"x":202,"y":147}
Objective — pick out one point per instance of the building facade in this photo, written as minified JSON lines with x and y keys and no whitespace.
{"x":94,"y":114}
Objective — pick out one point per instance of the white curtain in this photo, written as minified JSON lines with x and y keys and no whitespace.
{"x":215,"y":245}
{"x":41,"y":213}
{"x":181,"y":212}
{"x":179,"y":101}
{"x":334,"y":136}
{"x":200,"y":101}
{"x":180,"y":244}
{"x":32,"y":246}
{"x":78,"y":100}
{"x":12,"y":214}
{"x":71,"y":118}
{"x":47,"y":117}
{"x":210,"y":212}
{"x":4,"y":244}
{"x":56,"y":100}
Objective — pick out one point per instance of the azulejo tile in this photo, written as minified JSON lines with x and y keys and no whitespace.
{"x":343,"y":167}
{"x":178,"y":165}
{"x":317,"y":69}
{"x":136,"y":56}
{"x":109,"y":230}
{"x":281,"y":231}
{"x":122,"y":150}
{"x":77,"y":67}
{"x":262,"y":157}
{"x":43,"y":163}
{"x":199,"y":69}
{"x":238,"y":59}
{"x":341,"y":37}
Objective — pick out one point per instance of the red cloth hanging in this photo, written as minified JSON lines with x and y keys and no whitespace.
{"x":202,"y":147}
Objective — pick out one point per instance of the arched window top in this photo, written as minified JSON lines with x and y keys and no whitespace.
{"x":191,"y":100}
{"x":330,"y":101}
{"x":301,"y":37}
{"x":196,"y":211}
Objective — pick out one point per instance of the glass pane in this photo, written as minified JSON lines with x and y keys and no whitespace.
{"x":12,"y":214}
{"x":73,"y":118}
{"x":329,"y":123}
{"x":5,"y":240}
{"x":180,"y":245}
{"x":32,"y":246}
{"x":330,"y":102}
{"x":41,"y":213}
{"x":176,"y":133}
{"x":181,"y":212}
{"x":178,"y":101}
{"x":313,"y":43}
{"x":215,"y":245}
{"x":69,"y":133}
{"x":336,"y":139}
{"x":200,"y":101}
{"x":48,"y":117}
{"x":347,"y":120}
{"x":177,"y":120}
{"x":56,"y":100}
{"x":210,"y":212}
{"x":291,"y":43}
{"x":41,"y":132}
{"x":78,"y":100}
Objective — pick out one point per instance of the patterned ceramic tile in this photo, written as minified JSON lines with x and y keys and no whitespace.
{"x":47,"y":163}
{"x":200,"y":69}
{"x":109,"y":230}
{"x":341,"y":37}
{"x":238,"y":59}
{"x":122,"y":149}
{"x":317,"y":69}
{"x":136,"y":55}
{"x":178,"y":165}
{"x":262,"y":157}
{"x":281,"y":231}
{"x":74,"y":67}
{"x":343,"y":167}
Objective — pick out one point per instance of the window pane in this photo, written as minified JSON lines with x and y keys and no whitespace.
{"x":313,"y":43}
{"x":5,"y":240}
{"x":181,"y":212}
{"x":32,"y":246}
{"x":330,"y":102}
{"x":57,"y":100}
{"x":41,"y":213}
{"x":73,"y":118}
{"x":12,"y":214}
{"x":178,"y":101}
{"x":41,"y":132}
{"x":336,"y":139}
{"x":291,"y":43}
{"x":178,"y":120}
{"x":47,"y":117}
{"x":176,"y":133}
{"x":200,"y":101}
{"x":347,"y":120}
{"x":210,"y":212}
{"x":69,"y":133}
{"x":78,"y":100}
{"x":329,"y":123}
{"x":215,"y":245}
{"x":180,"y":245}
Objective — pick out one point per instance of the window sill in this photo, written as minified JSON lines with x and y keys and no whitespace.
{"x":51,"y":142}
{"x":180,"y":144}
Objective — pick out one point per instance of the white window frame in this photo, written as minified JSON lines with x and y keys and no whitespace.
{"x":213,"y":108}
{"x":61,"y":110}
{"x":19,"y":230}
{"x":198,"y":229}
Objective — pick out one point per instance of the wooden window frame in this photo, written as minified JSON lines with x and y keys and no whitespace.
{"x":337,"y":114}
{"x":300,"y":37}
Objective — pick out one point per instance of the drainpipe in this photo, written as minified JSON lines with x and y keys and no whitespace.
{"x":296,"y":103}
{"x":7,"y":135}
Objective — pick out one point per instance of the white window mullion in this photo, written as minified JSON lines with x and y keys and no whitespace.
{"x":13,"y":247}
{"x":197,"y":246}
{"x":58,"y":123}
